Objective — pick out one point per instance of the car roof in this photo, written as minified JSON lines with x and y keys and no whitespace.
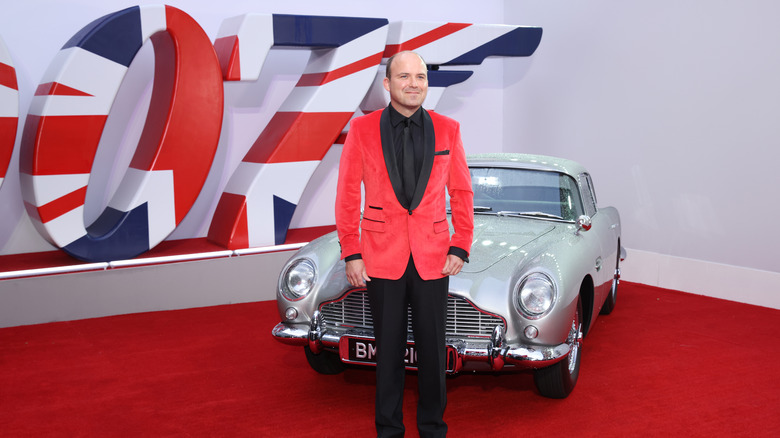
{"x":528,"y":161}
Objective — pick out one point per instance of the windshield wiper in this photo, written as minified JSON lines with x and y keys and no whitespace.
{"x":477,"y":209}
{"x":529,"y":213}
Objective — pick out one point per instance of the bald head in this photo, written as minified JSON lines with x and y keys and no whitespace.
{"x":390,"y":60}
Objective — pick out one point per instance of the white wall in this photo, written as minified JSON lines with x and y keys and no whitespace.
{"x":675,"y":109}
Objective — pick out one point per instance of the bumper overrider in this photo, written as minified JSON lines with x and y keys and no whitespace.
{"x":494,"y":351}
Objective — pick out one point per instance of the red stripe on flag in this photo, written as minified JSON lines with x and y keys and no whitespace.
{"x":184,"y":120}
{"x":60,"y":145}
{"x":315,"y":79}
{"x":7,"y":138}
{"x":426,"y":38}
{"x":228,"y":55}
{"x":301,"y":235}
{"x":8,"y":77}
{"x":229,"y":226}
{"x":57,"y":89}
{"x":62,"y":205}
{"x":297,"y":136}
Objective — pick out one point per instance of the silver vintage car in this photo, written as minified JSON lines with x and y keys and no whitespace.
{"x":545,"y":262}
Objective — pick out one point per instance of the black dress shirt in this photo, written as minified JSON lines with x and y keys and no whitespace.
{"x":397,"y":124}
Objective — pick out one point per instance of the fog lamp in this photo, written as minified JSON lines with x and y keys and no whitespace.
{"x":531,"y":332}
{"x":291,"y":313}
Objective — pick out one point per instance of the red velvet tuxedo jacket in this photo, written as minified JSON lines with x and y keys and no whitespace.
{"x":387,"y":232}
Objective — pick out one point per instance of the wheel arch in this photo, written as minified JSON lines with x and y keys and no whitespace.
{"x":587,"y":295}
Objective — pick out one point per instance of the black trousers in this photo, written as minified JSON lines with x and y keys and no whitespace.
{"x":428,"y":302}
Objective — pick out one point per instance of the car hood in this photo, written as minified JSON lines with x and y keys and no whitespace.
{"x":497,"y":237}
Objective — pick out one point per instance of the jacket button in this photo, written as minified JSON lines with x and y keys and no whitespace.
{"x":410,"y":212}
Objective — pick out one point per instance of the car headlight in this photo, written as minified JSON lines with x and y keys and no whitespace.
{"x":298,"y":280}
{"x":534,"y":295}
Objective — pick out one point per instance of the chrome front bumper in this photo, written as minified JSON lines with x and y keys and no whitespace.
{"x":492,"y":351}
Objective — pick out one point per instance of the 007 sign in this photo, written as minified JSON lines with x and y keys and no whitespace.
{"x":174,"y":156}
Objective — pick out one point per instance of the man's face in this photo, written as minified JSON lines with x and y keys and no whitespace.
{"x":407,"y":84}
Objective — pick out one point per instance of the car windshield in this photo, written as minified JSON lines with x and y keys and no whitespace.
{"x":525,"y":192}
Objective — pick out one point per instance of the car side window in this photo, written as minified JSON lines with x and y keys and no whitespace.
{"x":588,"y":194}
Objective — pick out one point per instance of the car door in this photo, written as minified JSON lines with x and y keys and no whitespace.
{"x":603,"y":237}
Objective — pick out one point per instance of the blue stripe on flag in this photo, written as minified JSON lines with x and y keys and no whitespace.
{"x":283,"y":213}
{"x":445,"y":78}
{"x":115,"y":235}
{"x":522,"y":41}
{"x":114,"y":36}
{"x":317,"y":31}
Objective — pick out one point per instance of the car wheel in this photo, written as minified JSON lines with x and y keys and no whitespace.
{"x":609,"y":303}
{"x":557,"y":381}
{"x":327,"y":362}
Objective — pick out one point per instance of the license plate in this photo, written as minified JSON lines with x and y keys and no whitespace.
{"x":363,"y":351}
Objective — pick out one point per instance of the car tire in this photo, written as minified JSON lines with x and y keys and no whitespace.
{"x":326,"y":362}
{"x":558,"y":380}
{"x":609,"y":303}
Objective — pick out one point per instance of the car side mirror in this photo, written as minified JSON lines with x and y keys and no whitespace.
{"x":583,"y":223}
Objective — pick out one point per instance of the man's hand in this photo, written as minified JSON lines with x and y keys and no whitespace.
{"x":453,"y":265}
{"x":356,"y":273}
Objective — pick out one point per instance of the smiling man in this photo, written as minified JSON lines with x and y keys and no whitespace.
{"x":401,"y":250}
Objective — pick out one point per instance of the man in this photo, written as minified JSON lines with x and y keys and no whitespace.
{"x":401,"y":250}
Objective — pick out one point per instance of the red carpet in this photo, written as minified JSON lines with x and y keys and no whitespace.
{"x":664,"y":364}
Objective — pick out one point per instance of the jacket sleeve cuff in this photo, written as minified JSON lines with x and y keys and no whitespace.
{"x":349,"y":258}
{"x":460,"y":252}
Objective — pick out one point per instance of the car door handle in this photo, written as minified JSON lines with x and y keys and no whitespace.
{"x":598,"y":264}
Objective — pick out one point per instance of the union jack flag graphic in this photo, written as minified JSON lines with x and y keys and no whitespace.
{"x":347,"y":53}
{"x":68,"y":114}
{"x":255,"y":209}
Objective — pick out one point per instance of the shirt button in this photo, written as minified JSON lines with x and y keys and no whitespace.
{"x":410,"y":212}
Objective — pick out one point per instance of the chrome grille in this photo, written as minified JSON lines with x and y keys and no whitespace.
{"x":463,"y":319}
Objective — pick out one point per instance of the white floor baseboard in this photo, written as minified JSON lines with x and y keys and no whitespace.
{"x":734,"y":283}
{"x":143,"y":288}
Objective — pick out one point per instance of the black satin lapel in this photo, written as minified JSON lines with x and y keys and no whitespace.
{"x":388,"y":150}
{"x":427,"y":165}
